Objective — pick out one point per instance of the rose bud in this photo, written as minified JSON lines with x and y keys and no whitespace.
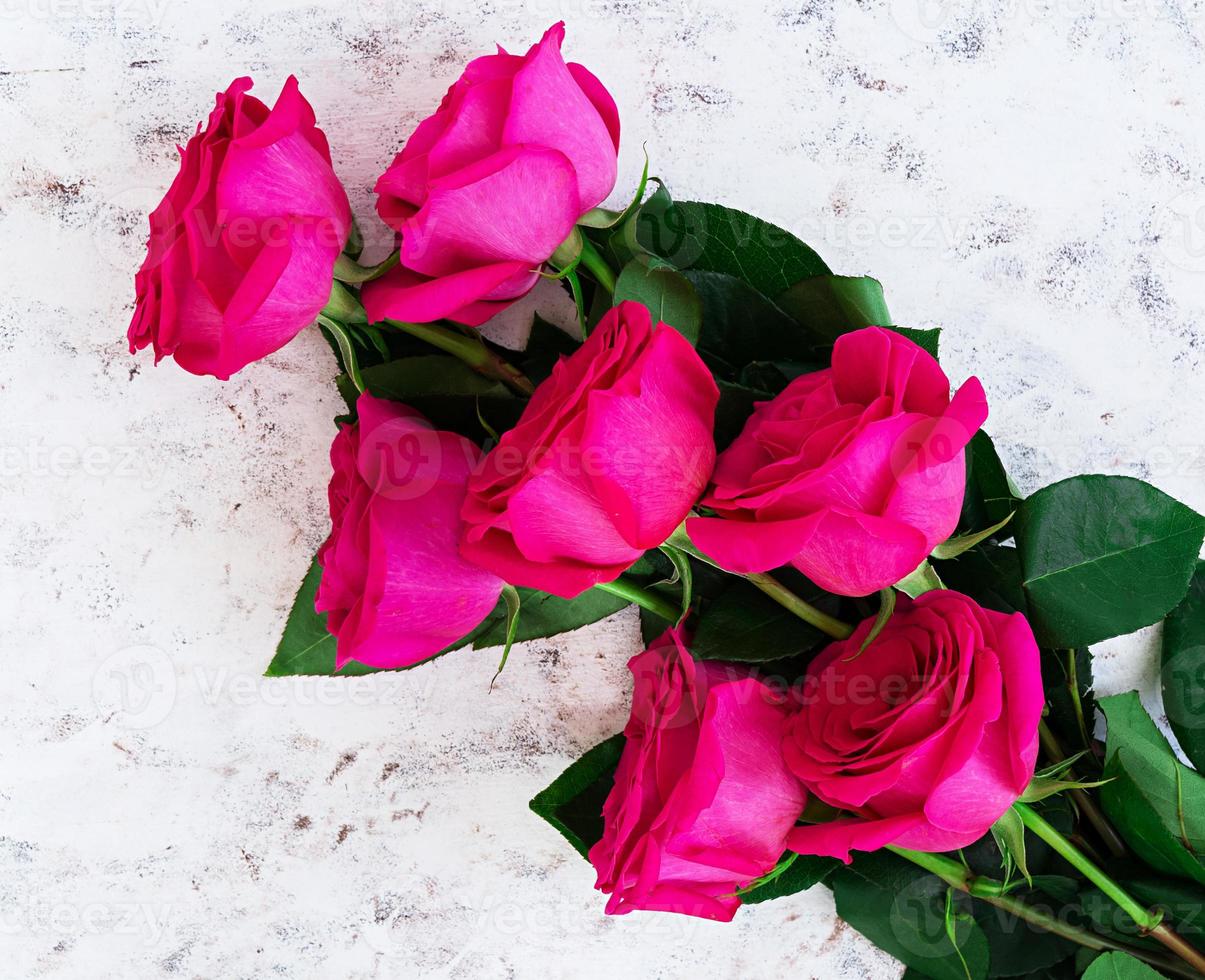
{"x":394,"y":586}
{"x":852,"y":474}
{"x":927,"y":736}
{"x":243,"y":247}
{"x":486,"y":188}
{"x":605,"y":462}
{"x":702,"y":802}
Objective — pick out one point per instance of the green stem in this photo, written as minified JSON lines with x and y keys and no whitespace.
{"x":625,"y":588}
{"x":1083,"y":801}
{"x":994,"y":893}
{"x":773,"y":588}
{"x":1150,"y":922}
{"x":1144,"y":917}
{"x":804,"y":610}
{"x":470,"y":349}
{"x":597,"y":266}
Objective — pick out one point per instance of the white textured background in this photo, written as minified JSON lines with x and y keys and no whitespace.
{"x":1028,"y":175}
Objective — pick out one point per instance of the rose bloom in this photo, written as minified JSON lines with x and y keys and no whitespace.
{"x":486,"y":188}
{"x":243,"y":247}
{"x":394,"y":586}
{"x":853,"y":474}
{"x":605,"y":462}
{"x":702,"y":802}
{"x":927,"y":736}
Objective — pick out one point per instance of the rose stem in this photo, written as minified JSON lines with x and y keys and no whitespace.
{"x":471,"y":350}
{"x":1082,"y":800}
{"x":597,"y":266}
{"x":993,"y":892}
{"x":625,"y":588}
{"x":804,"y":610}
{"x":773,"y":588}
{"x":1151,"y":923}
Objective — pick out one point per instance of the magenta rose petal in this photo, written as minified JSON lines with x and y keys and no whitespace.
{"x":242,"y":248}
{"x":404,"y":295}
{"x":486,"y":213}
{"x":557,"y":504}
{"x":924,"y":736}
{"x":837,"y":838}
{"x":549,"y":108}
{"x":517,"y":151}
{"x":394,"y":584}
{"x":701,"y":756}
{"x":862,"y":464}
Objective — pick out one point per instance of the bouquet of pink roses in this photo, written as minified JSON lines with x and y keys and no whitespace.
{"x":867,"y":655}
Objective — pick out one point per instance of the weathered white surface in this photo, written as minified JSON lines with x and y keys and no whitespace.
{"x":1015,"y":172}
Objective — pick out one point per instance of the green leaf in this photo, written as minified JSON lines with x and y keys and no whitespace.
{"x":347,"y":352}
{"x":683,"y":575}
{"x":829,"y":306}
{"x":573,"y":803}
{"x":1103,"y":556}
{"x":514,"y":606}
{"x":1184,"y":670}
{"x":901,"y":909}
{"x":741,"y":326}
{"x":547,"y":615}
{"x":886,"y":608}
{"x":349,"y":271}
{"x":713,"y":238}
{"x":1009,"y":833}
{"x":307,"y":647}
{"x":990,"y":494}
{"x":801,"y":873}
{"x":989,"y":573}
{"x":1067,"y":681}
{"x":669,"y":296}
{"x":923,"y":579}
{"x":733,"y":411}
{"x":744,"y":625}
{"x":447,"y":391}
{"x":1041,"y":787}
{"x":546,"y":344}
{"x":1119,"y":966}
{"x":1156,"y":803}
{"x":1018,"y":949}
{"x":927,"y":340}
{"x":955,"y":546}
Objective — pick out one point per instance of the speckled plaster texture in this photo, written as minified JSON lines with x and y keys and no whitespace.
{"x":1028,"y":175}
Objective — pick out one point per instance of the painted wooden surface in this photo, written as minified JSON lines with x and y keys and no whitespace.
{"x":1028,"y":176}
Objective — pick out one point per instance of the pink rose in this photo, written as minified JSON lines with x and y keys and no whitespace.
{"x":928,"y":736}
{"x":702,"y":802}
{"x":605,"y":462}
{"x":393,"y":583}
{"x":243,"y":247}
{"x":851,"y":474}
{"x":486,"y":188}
